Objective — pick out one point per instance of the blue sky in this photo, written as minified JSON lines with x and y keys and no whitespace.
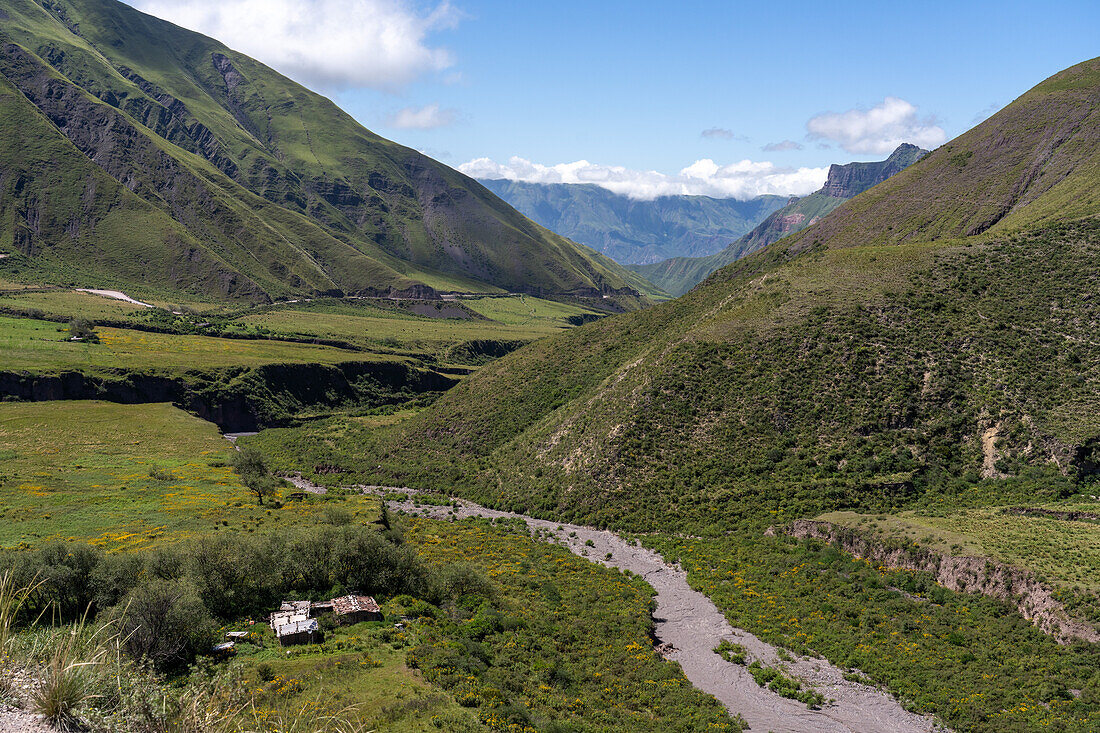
{"x":630,"y":87}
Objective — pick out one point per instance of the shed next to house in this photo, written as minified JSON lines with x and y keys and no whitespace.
{"x":306,"y":631}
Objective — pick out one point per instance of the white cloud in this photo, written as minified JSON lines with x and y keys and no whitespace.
{"x":428,"y":117}
{"x":782,"y":146}
{"x":877,"y":130}
{"x":742,"y":180}
{"x":721,"y":133}
{"x":381,"y":44}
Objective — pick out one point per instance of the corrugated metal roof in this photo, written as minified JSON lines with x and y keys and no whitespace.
{"x":302,"y":606}
{"x":280,"y":618}
{"x":298,"y":627}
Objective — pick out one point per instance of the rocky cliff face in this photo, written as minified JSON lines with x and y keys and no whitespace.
{"x":238,"y":399}
{"x":1033,"y":599}
{"x":846,"y":181}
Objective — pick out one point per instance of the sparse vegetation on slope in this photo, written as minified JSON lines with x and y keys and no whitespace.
{"x":851,"y":377}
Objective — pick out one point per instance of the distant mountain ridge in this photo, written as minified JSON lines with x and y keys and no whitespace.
{"x":632,"y":231}
{"x":137,"y":153}
{"x":679,"y":275}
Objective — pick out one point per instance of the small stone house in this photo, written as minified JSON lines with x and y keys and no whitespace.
{"x":295,"y":607}
{"x":354,"y":609}
{"x":294,"y":626}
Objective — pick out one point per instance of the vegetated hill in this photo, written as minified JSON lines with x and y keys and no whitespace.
{"x":632,"y":231}
{"x":821,"y":372}
{"x":680,"y":274}
{"x":137,"y":152}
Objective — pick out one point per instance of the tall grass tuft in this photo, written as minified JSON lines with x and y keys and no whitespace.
{"x":12,"y":599}
{"x":305,"y":716}
{"x":77,"y":667}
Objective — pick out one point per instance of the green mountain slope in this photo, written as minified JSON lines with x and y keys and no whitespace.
{"x":821,"y":372}
{"x":1035,"y":162}
{"x":680,"y":274}
{"x":635,"y":232}
{"x":255,"y":186}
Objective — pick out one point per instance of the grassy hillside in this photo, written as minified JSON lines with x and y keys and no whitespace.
{"x":1035,"y":162}
{"x":920,"y":387}
{"x":849,"y":377}
{"x":680,"y":274}
{"x":635,"y":232}
{"x":218,"y":176}
{"x":863,"y":375}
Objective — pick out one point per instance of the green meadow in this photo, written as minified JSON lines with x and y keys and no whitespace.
{"x":126,"y":477}
{"x":29,"y":344}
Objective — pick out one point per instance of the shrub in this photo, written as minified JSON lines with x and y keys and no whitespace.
{"x":82,"y":328}
{"x":165,"y":622}
{"x":252,"y":467}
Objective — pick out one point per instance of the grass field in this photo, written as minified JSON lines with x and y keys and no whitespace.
{"x":524,"y":311}
{"x":436,"y":330}
{"x":1065,"y":552}
{"x":555,"y":639}
{"x":967,"y":659}
{"x":84,"y":471}
{"x":69,"y":303}
{"x":507,"y":319}
{"x":39,"y":345}
{"x":572,"y":642}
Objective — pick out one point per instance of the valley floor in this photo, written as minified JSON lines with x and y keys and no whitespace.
{"x":689,"y":627}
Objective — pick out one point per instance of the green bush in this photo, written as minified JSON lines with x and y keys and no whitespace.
{"x":165,"y":623}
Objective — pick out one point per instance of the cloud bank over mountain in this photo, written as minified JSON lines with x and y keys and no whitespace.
{"x":878,"y":130}
{"x":742,"y":180}
{"x":335,"y":44}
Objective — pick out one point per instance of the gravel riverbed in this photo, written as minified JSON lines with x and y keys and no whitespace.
{"x":688,"y":626}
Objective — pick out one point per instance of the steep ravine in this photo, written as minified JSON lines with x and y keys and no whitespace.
{"x":1034,"y":600}
{"x":689,"y":626}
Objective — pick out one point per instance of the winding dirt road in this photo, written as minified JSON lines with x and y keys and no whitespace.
{"x":689,"y":627}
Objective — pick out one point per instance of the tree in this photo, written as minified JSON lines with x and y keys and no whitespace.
{"x":252,"y":467}
{"x":83,"y":329}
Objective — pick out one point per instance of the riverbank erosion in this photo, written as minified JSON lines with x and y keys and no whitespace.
{"x":238,"y":399}
{"x":1034,"y":599}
